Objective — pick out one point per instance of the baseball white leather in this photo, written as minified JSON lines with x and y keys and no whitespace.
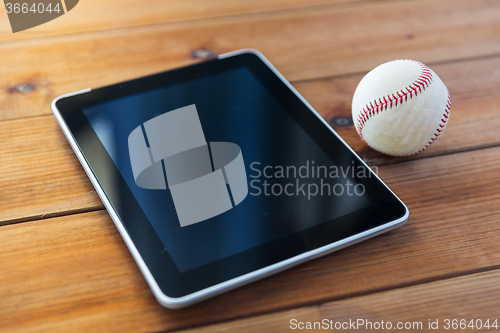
{"x":401,"y":107}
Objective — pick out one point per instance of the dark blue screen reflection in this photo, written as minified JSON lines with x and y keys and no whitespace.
{"x":233,"y":106}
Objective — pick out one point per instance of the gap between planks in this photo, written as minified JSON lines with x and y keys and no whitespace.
{"x":101,"y":207}
{"x":38,"y":34}
{"x":49,"y":176}
{"x":385,"y":305}
{"x":444,"y":194}
{"x":333,"y":42}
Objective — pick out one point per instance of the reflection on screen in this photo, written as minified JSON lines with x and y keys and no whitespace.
{"x":292,"y":184}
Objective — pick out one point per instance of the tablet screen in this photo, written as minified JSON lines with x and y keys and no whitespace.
{"x":277,"y":180}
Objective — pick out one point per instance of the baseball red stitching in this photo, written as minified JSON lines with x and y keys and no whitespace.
{"x":383,"y":103}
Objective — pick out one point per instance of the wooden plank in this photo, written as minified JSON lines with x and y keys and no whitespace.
{"x":94,"y":15}
{"x":475,"y":113}
{"x":73,"y":273}
{"x":66,"y":268}
{"x":40,"y":176}
{"x":306,"y":44}
{"x":475,"y":297}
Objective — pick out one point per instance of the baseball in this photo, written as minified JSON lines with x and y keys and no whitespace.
{"x":401,"y":107}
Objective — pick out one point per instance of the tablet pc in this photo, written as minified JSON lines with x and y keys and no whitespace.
{"x":220,"y":173}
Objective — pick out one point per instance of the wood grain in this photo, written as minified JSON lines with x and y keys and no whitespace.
{"x":40,"y":176}
{"x":59,"y":283}
{"x":477,"y":294}
{"x":312,"y":43}
{"x":73,"y":272}
{"x":95,"y":15}
{"x":65,"y":268}
{"x":39,"y":173}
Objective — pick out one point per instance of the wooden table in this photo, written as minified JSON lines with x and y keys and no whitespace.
{"x":63,"y":265}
